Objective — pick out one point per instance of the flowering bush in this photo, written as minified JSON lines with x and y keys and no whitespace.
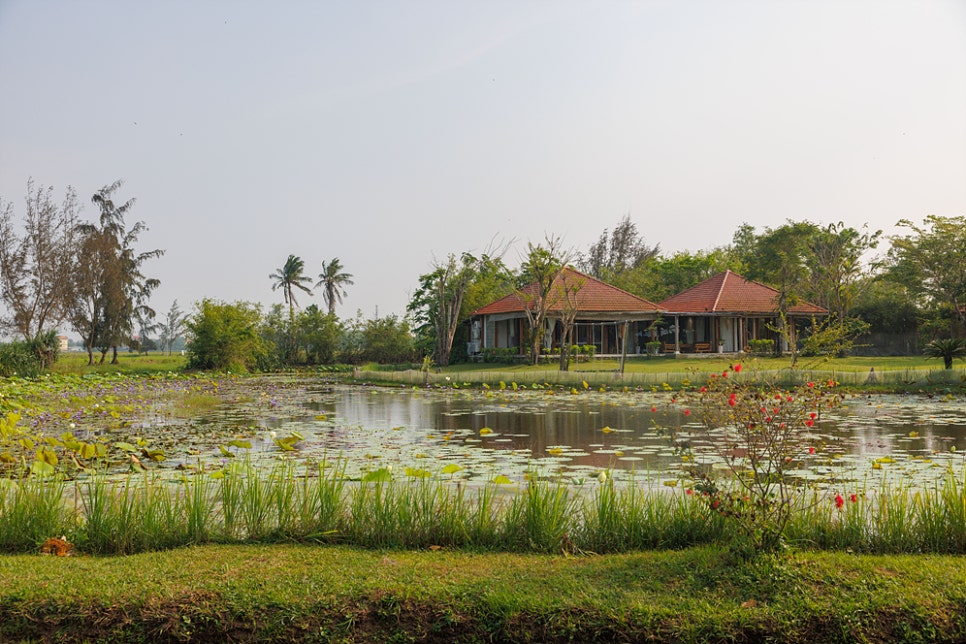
{"x":761,"y":433}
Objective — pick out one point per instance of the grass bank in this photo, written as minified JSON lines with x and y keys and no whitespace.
{"x":887,"y":374}
{"x":289,"y":593}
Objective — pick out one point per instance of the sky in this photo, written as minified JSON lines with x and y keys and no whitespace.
{"x":391,"y":134}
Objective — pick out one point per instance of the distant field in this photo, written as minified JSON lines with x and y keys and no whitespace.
{"x":76,"y":362}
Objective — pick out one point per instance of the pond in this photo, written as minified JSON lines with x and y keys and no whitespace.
{"x":547,"y":433}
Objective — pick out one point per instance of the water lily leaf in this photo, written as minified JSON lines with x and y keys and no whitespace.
{"x":7,"y":458}
{"x":87,"y":450}
{"x":502,"y":480}
{"x":381,"y":475}
{"x":227,"y":453}
{"x":452,"y":468}
{"x":41,"y":468}
{"x":26,"y":443}
{"x":321,"y":417}
{"x":127,"y":447}
{"x":241,"y":444}
{"x":417,"y":473}
{"x":284,"y":444}
{"x":485,"y":431}
{"x":217,"y":474}
{"x":48,"y":456}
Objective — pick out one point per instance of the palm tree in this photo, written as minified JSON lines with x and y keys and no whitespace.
{"x":947,"y":349}
{"x":333,"y":281}
{"x":290,"y":277}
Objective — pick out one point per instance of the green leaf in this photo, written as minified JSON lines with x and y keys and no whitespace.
{"x":452,"y":468}
{"x":381,"y":475}
{"x":127,"y":447}
{"x":42,"y":468}
{"x":502,"y":480}
{"x":417,"y":473}
{"x":241,"y":444}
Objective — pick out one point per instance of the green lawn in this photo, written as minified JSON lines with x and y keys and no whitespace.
{"x":74,"y":362}
{"x":338,"y":594}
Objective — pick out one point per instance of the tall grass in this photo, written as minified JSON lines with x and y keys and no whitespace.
{"x":31,"y":511}
{"x":316,"y":503}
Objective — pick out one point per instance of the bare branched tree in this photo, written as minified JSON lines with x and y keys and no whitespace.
{"x":36,"y":268}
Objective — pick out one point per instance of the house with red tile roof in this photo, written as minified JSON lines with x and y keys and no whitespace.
{"x":601,"y":313}
{"x":725,"y":312}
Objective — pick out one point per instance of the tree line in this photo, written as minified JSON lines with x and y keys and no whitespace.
{"x":57,"y":268}
{"x":918,"y":284}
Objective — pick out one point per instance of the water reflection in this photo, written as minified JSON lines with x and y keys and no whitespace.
{"x":585,"y":433}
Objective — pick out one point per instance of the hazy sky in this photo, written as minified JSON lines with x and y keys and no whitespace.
{"x":388,"y":134}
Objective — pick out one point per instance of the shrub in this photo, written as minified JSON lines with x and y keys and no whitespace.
{"x":18,"y":358}
{"x":225,"y":337}
{"x":765,"y":347}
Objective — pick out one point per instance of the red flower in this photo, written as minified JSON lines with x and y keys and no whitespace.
{"x":703,"y":389}
{"x":811,"y":384}
{"x":687,"y":412}
{"x":724,"y":374}
{"x":812,"y":415}
{"x":767,"y":419}
{"x":853,"y":498}
{"x":731,"y":401}
{"x":737,"y":368}
{"x":689,"y":492}
{"x":653,"y":408}
{"x":811,"y":450}
{"x":809,"y":423}
{"x":839,"y":501}
{"x":789,"y":399}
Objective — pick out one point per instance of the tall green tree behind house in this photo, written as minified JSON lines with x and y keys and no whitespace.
{"x":930,"y":262}
{"x":833,"y":259}
{"x":617,"y":252}
{"x":333,"y":280}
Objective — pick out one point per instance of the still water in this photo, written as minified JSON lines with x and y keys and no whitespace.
{"x":912,"y":439}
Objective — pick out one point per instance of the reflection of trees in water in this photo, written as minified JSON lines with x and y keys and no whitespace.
{"x":537,"y":424}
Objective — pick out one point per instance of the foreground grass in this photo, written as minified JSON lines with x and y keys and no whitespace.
{"x":340,"y":594}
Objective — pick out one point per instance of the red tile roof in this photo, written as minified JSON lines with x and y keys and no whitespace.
{"x":594,"y":296}
{"x":731,"y":293}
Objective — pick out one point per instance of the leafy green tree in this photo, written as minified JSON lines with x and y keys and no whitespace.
{"x":540,"y":269}
{"x":288,"y":278}
{"x":664,"y":276}
{"x":225,"y":336}
{"x":320,"y":334}
{"x":333,"y":281}
{"x":885,"y":305}
{"x":281,"y":334}
{"x":833,"y":260}
{"x":931,"y":262}
{"x":387,"y":340}
{"x":447,"y":297}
